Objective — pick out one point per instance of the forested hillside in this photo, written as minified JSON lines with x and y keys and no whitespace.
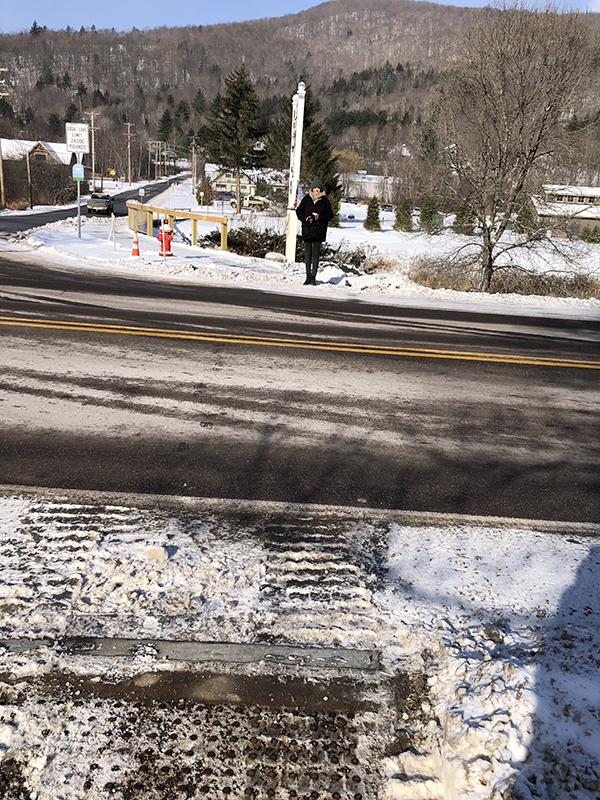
{"x":371,"y":67}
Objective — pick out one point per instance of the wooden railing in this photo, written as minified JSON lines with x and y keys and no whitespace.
{"x":136,"y":212}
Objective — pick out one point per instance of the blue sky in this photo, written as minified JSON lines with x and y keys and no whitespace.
{"x":124,"y":14}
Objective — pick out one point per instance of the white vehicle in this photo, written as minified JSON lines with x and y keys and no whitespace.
{"x":253,"y":202}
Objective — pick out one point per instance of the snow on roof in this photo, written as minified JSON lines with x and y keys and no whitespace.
{"x":566,"y":210}
{"x":587,"y":191}
{"x":15,"y":149}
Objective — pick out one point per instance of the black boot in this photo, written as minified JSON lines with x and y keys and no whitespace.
{"x":308,"y":281}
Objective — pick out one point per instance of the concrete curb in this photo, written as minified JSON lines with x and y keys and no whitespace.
{"x":229,"y":507}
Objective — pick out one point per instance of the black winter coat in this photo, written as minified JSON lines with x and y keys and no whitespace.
{"x":314,"y":216}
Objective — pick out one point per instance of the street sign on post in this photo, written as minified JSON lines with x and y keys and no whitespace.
{"x":78,"y":141}
{"x":78,"y":137}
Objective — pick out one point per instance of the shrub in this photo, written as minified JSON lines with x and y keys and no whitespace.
{"x":464,"y":220}
{"x":464,"y":275}
{"x":591,"y":235}
{"x":372,"y":222}
{"x":403,"y":220}
{"x":429,"y":216}
{"x":525,"y":222}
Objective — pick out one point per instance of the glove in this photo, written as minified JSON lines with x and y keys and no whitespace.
{"x":310,"y":218}
{"x":315,"y":216}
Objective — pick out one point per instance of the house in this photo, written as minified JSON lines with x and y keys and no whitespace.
{"x":226,"y":181}
{"x":568,"y":210}
{"x":16,"y":149}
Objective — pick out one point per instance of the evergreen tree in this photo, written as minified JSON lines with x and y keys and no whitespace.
{"x":35,"y":29}
{"x":525,"y":222}
{"x":205,"y":192}
{"x":403,"y":220}
{"x":55,"y":125}
{"x":165,"y":126}
{"x":372,"y":222}
{"x":233,"y":129}
{"x":199,"y":103}
{"x":464,"y":220}
{"x":428,"y":216}
{"x":71,"y":112}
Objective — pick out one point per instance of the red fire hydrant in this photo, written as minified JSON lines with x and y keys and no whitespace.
{"x":165,"y":237}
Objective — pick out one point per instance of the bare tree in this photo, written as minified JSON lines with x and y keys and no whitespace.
{"x":501,"y":115}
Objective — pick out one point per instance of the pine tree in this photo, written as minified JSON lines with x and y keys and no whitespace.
{"x":55,"y":125}
{"x":464,"y":220}
{"x":233,"y":129}
{"x":525,"y":222}
{"x":403,"y":220}
{"x":205,"y":192}
{"x":372,"y":222}
{"x":199,"y":103}
{"x":428,"y":216}
{"x":165,"y":126}
{"x":35,"y":29}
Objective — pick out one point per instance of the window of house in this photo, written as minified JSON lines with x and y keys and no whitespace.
{"x":570,"y":198}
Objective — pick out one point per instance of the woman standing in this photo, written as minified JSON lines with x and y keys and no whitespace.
{"x":314,"y":212}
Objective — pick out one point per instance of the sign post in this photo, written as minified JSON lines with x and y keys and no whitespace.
{"x":295,"y":159}
{"x":78,"y":141}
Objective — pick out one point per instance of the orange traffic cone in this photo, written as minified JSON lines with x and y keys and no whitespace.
{"x":136,"y":246}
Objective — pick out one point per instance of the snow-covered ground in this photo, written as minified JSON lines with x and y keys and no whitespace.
{"x":503,"y":621}
{"x":99,"y":245}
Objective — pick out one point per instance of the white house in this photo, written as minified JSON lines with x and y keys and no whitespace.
{"x":563,"y":208}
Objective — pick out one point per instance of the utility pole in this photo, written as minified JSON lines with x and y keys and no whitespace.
{"x":129,"y":134}
{"x":2,"y":94}
{"x":93,"y":114}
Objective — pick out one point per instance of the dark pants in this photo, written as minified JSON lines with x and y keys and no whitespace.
{"x":312,"y":251}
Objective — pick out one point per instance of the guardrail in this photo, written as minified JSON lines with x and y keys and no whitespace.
{"x":136,"y":210}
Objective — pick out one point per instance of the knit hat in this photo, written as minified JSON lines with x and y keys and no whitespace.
{"x":316,"y":184}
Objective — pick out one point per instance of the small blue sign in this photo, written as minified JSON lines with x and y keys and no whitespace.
{"x":78,"y":172}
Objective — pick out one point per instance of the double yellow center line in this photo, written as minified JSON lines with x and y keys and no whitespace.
{"x":305,"y":344}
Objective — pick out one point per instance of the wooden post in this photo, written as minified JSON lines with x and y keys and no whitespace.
{"x":194,"y":232}
{"x":29,"y":183}
{"x":149,"y":223}
{"x":224,"y":236}
{"x":171,"y":218}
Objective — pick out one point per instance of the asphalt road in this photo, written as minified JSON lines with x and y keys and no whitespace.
{"x":122,"y":384}
{"x":22,"y":222}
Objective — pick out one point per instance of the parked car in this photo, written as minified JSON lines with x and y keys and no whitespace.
{"x":224,"y":197}
{"x":100,"y":204}
{"x":351,"y":199}
{"x":387,"y":207}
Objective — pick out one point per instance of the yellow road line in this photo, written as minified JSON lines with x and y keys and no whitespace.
{"x":307,"y":344}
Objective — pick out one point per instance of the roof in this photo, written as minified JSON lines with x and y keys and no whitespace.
{"x":573,"y":211}
{"x":582,"y":191}
{"x":15,"y":149}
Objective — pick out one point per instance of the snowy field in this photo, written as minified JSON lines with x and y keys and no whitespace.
{"x":504,"y":622}
{"x":100,"y":245}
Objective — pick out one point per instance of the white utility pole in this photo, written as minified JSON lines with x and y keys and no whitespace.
{"x":91,"y":115}
{"x":129,"y":134}
{"x":295,"y":159}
